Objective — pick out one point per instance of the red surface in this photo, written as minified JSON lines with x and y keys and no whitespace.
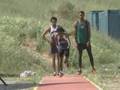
{"x":65,"y":83}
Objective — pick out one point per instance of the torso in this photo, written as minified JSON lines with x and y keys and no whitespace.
{"x":62,"y":42}
{"x":81,"y":31}
{"x":53,"y":33}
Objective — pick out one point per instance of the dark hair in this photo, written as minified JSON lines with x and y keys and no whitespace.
{"x":60,"y":29}
{"x":53,"y":18}
{"x":82,"y":12}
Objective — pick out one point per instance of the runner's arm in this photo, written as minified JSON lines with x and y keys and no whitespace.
{"x":89,"y":31}
{"x":73,"y":32}
{"x":68,"y":39}
{"x":75,"y":29}
{"x":45,"y":33}
{"x":88,"y":34}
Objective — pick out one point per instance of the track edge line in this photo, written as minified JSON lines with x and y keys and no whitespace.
{"x":92,"y":83}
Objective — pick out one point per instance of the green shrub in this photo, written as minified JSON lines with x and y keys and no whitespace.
{"x":66,"y":10}
{"x":13,"y":31}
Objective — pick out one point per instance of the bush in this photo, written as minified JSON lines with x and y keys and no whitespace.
{"x":13,"y":31}
{"x":65,"y":10}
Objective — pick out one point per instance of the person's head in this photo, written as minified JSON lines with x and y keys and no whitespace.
{"x":60,"y":30}
{"x":82,"y":15}
{"x":53,"y":21}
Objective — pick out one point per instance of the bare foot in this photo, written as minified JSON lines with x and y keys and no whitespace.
{"x":94,"y":71}
{"x":61,"y":74}
{"x":54,"y":74}
{"x":79,"y":72}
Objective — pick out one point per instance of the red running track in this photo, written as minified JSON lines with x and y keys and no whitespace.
{"x":75,"y":82}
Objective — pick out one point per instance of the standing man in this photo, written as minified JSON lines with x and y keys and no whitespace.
{"x":52,"y":31}
{"x":82,"y":38}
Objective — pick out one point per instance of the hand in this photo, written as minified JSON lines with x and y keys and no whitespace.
{"x":88,"y":43}
{"x":48,"y":40}
{"x":75,"y":45}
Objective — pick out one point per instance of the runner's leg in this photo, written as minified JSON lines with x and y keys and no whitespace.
{"x":66,"y":57}
{"x":58,"y":63}
{"x":61,"y":62}
{"x":54,"y":64}
{"x":54,"y":55}
{"x":80,"y":58}
{"x":89,"y":51}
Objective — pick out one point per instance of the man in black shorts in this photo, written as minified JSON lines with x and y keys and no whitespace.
{"x":63,"y":45}
{"x":82,"y":38}
{"x":52,"y":31}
